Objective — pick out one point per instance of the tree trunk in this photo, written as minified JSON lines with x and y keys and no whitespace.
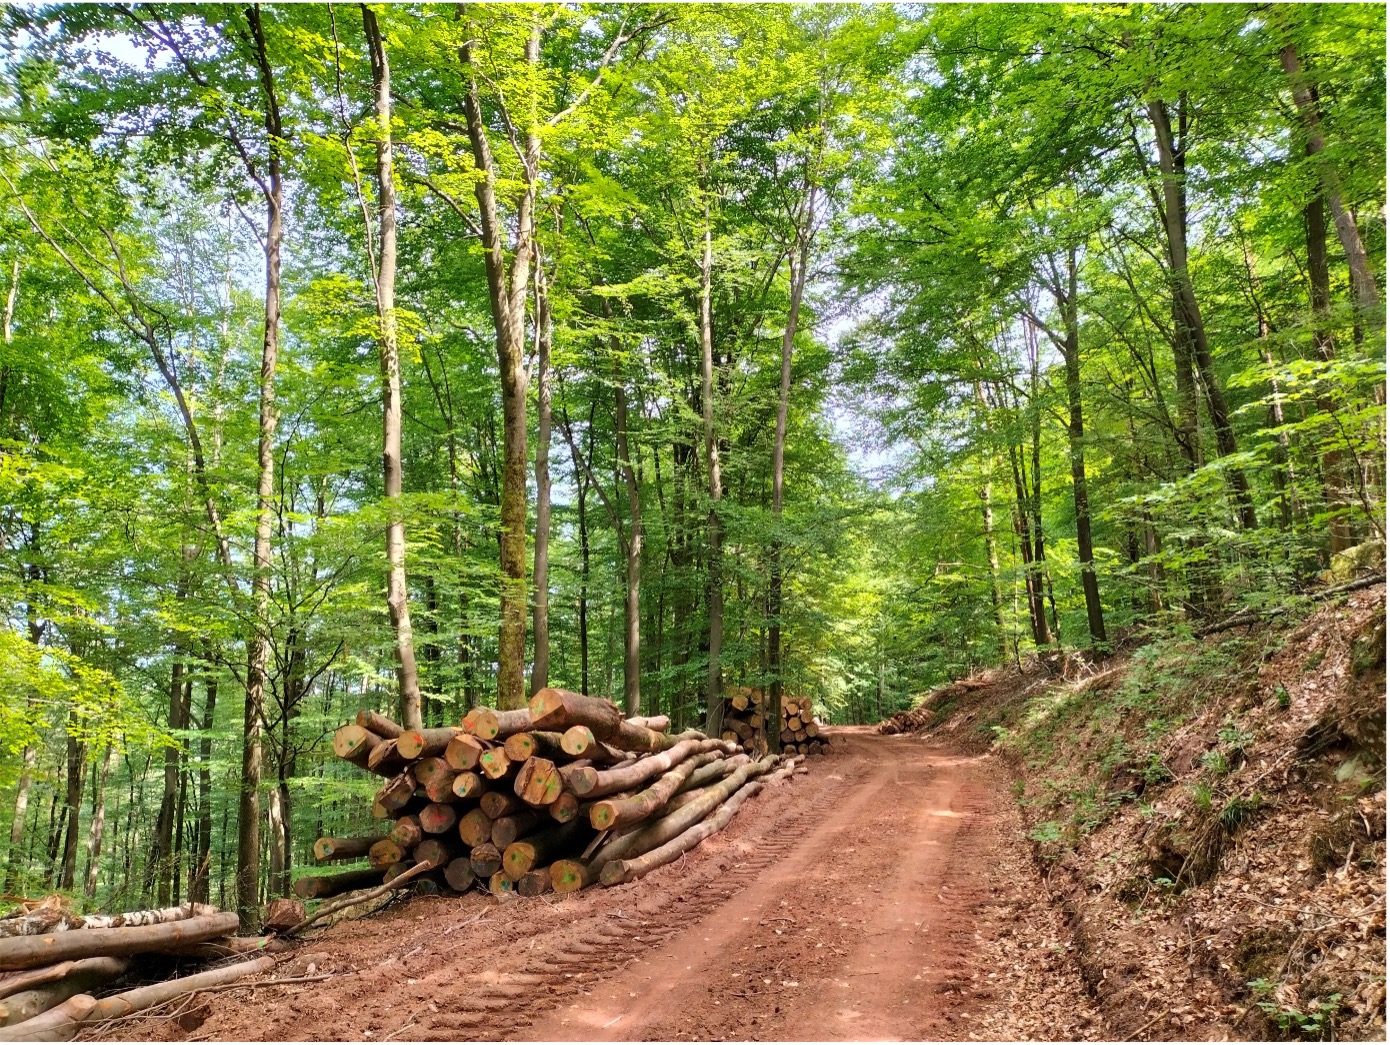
{"x":507,"y":292}
{"x":77,"y":773}
{"x":1189,"y":327}
{"x":632,"y":547}
{"x":540,"y":670}
{"x":249,"y":806}
{"x":28,"y":952}
{"x":1333,"y":466}
{"x":98,"y":826}
{"x":714,"y":581}
{"x":397,"y":593}
{"x":798,"y":260}
{"x":1364,"y":290}
{"x":202,"y":855}
{"x":160,"y":873}
{"x":1076,"y":438}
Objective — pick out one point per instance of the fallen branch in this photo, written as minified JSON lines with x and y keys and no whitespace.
{"x":1255,"y":616}
{"x":381,"y":890}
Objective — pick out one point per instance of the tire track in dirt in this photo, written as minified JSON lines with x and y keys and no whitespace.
{"x":839,"y":939}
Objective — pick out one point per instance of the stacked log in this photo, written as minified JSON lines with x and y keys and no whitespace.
{"x":52,"y":963}
{"x":743,"y":718}
{"x":531,"y":801}
{"x":801,"y":731}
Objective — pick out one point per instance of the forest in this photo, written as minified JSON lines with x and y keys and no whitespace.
{"x":418,"y":357}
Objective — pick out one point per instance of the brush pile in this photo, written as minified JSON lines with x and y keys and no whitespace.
{"x":552,"y":797}
{"x":53,"y":962}
{"x":916,"y":719}
{"x":801,"y":730}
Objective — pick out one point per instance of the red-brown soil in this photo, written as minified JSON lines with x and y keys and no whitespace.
{"x":886,"y":894}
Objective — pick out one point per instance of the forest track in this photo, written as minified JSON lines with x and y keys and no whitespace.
{"x":878,"y":897}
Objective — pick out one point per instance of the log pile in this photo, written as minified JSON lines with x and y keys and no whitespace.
{"x":743,"y":718}
{"x":53,"y":962}
{"x":801,"y":730}
{"x":553,"y":797}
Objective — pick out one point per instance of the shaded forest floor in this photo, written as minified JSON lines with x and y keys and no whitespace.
{"x":1210,"y":816}
{"x":883,"y":895}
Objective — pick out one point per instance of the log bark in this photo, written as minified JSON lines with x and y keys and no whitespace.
{"x":486,"y":860}
{"x":579,"y":780}
{"x":699,"y":805}
{"x":608,"y":781}
{"x":499,"y":803}
{"x":435,"y":853}
{"x":527,"y":854}
{"x":379,"y":724}
{"x":617,"y":872}
{"x":611,"y":814}
{"x":534,"y":883}
{"x":320,"y":887}
{"x":437,"y":818}
{"x":534,"y":743}
{"x":157,"y":994}
{"x":57,"y":1024}
{"x":81,"y":977}
{"x":326,"y":849}
{"x":507,"y":829}
{"x":423,"y":743}
{"x":28,"y":952}
{"x":352,"y":901}
{"x":657,"y":723}
{"x":384,"y":759}
{"x":498,"y":725}
{"x":459,"y":874}
{"x":475,"y":828}
{"x":558,"y":709}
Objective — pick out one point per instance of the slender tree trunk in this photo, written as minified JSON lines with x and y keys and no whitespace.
{"x":98,"y":825}
{"x":632,"y":547}
{"x":714,"y":580}
{"x":1364,"y":290}
{"x":540,"y":626}
{"x":249,"y":806}
{"x":583,"y":586}
{"x":1076,"y":439}
{"x":798,"y":260}
{"x":1333,"y":466}
{"x":507,"y":292}
{"x":162,"y":855}
{"x":77,"y":771}
{"x":35,"y":628}
{"x":397,"y":592}
{"x":198,"y":886}
{"x":1189,"y":326}
{"x":996,"y":591}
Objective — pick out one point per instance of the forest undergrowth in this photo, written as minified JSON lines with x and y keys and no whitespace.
{"x":1210,"y":815}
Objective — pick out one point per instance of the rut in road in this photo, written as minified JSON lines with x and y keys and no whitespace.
{"x":886,"y":894}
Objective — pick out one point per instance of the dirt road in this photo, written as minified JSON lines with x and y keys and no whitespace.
{"x":886,"y":895}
